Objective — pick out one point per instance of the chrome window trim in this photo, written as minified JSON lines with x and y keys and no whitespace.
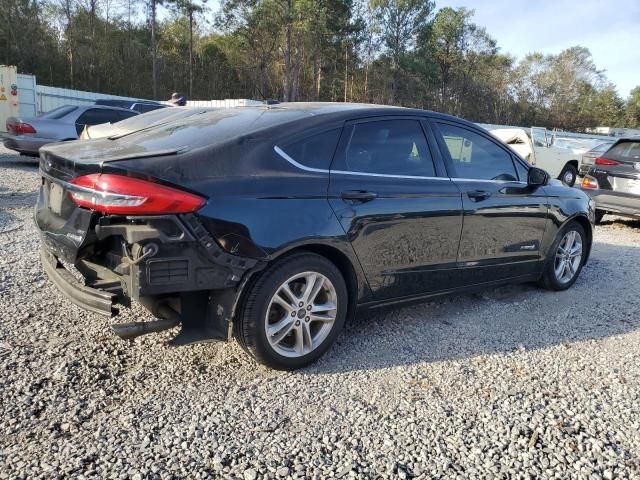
{"x":487,"y":180}
{"x":280,"y":152}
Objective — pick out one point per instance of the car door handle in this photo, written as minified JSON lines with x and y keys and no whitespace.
{"x":359,"y":196}
{"x":478,"y":195}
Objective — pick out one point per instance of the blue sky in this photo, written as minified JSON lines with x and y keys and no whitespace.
{"x":611,"y":34}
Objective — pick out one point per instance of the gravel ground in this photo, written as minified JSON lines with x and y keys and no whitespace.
{"x":515,"y":382}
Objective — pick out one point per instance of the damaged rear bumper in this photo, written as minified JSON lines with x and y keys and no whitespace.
{"x":170,"y":264}
{"x":97,"y":301}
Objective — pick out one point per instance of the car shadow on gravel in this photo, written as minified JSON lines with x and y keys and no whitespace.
{"x":10,"y":199}
{"x":602,"y":304}
{"x":15,"y":162}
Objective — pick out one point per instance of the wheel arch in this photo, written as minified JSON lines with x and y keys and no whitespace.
{"x":588,"y":229}
{"x":573,"y":163}
{"x":342,"y":262}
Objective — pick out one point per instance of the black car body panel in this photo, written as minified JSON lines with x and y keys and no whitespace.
{"x":276,"y":180}
{"x":618,"y":189}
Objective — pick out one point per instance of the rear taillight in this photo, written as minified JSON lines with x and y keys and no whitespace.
{"x":606,"y":161}
{"x":589,"y":182}
{"x":117,"y":194}
{"x":19,"y":128}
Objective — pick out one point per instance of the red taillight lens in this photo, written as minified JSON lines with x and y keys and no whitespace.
{"x":116,"y":194}
{"x":589,"y":182}
{"x":19,"y":128}
{"x":606,"y":161}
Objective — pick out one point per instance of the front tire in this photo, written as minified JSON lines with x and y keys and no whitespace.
{"x":565,"y":258}
{"x":569,"y":175}
{"x":293,"y":312}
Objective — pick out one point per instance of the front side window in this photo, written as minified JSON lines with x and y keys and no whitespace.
{"x":475,"y":156}
{"x":389,"y":147}
{"x":314,"y":151}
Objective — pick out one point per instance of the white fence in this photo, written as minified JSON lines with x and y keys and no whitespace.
{"x":27,"y":95}
{"x":35,"y":99}
{"x":49,"y":98}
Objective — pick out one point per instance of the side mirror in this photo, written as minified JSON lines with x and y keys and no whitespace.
{"x":537,"y":177}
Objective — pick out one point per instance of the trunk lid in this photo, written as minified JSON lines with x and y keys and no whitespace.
{"x":66,"y":229}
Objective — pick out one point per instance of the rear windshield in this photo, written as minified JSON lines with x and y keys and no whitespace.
{"x":155,"y":118}
{"x":603,"y":147}
{"x":625,"y":150}
{"x":216,"y":126}
{"x":59,"y":112}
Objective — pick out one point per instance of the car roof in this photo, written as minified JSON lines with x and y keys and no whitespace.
{"x":273,"y":123}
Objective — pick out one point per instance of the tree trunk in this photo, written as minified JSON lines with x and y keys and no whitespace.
{"x":154,"y":73}
{"x":287,"y":77}
{"x":366,"y":81}
{"x":346,"y":71}
{"x":190,"y":53}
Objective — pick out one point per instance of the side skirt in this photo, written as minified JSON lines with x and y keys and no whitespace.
{"x":442,"y":293}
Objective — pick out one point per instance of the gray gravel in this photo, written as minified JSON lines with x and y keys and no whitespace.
{"x":515,"y":382}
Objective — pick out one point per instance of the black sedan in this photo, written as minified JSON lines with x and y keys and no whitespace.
{"x":275,"y":224}
{"x":614,"y":180}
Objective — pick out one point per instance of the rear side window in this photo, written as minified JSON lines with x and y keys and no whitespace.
{"x":96,"y":116}
{"x":625,"y":150}
{"x":389,"y":147}
{"x":315,"y":151}
{"x":475,"y":156}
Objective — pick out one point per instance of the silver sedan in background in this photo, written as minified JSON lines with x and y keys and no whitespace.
{"x":27,"y":135}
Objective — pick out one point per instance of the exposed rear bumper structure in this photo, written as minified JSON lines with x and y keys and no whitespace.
{"x":187,"y":281}
{"x":97,"y":301}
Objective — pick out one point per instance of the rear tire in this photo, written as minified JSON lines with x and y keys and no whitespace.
{"x":569,"y":175}
{"x":565,"y":258}
{"x":285,"y":332}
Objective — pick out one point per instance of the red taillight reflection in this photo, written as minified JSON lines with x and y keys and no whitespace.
{"x":606,"y":161}
{"x":117,"y":194}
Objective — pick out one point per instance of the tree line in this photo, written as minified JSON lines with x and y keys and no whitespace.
{"x":402,"y":52}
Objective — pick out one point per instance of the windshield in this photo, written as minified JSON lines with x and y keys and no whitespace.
{"x":57,"y":113}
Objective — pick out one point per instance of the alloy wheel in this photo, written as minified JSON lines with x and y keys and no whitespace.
{"x":568,"y":256}
{"x":301,"y":314}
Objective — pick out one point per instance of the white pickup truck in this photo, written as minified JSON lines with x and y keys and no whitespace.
{"x":534,"y":145}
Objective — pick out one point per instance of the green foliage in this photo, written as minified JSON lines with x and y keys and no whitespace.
{"x":379,"y":51}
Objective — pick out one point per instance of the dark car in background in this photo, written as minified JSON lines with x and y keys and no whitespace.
{"x":27,"y":134}
{"x":275,"y":224}
{"x":589,"y":157}
{"x":140,"y":106}
{"x":614,"y":180}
